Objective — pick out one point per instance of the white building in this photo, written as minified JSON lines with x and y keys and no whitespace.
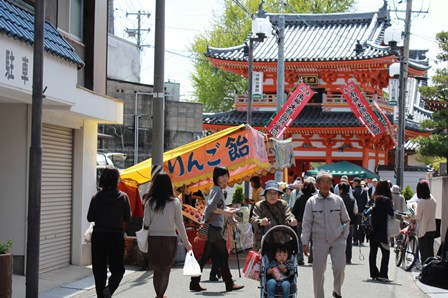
{"x":74,"y":104}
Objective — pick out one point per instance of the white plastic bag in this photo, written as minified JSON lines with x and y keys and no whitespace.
{"x":142,"y":240}
{"x":393,"y":227}
{"x":191,"y":266}
{"x":88,"y":233}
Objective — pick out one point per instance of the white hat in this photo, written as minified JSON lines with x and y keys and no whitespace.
{"x":395,"y":189}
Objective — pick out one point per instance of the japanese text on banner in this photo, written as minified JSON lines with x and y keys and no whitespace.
{"x":230,"y":150}
{"x":361,"y":107}
{"x":290,"y":110}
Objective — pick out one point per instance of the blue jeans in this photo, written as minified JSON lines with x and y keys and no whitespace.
{"x":272,"y":284}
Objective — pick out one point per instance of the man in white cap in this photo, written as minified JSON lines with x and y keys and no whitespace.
{"x":344,"y":179}
{"x":373,"y":187}
{"x":296,"y":193}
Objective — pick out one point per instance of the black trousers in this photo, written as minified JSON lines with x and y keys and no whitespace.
{"x":426,"y":245}
{"x":216,"y":249}
{"x":374,"y":273}
{"x":107,"y":249}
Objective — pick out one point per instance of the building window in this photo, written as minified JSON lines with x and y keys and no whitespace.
{"x":70,"y":17}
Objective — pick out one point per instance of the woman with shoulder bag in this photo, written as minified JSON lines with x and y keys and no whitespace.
{"x":214,"y":215}
{"x":163,"y":215}
{"x":378,"y":238}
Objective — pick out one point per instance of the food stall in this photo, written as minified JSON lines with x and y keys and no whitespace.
{"x":242,"y":149}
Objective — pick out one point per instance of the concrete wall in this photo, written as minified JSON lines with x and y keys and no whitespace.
{"x":14,"y":178}
{"x":123,"y":60}
{"x":439,"y":190}
{"x":183,"y":122}
{"x":84,"y":187}
{"x":409,"y":178}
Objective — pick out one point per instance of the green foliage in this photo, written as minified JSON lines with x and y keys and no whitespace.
{"x":407,"y":192}
{"x":437,"y":143}
{"x":434,"y":161}
{"x":216,"y":88}
{"x":4,"y":247}
{"x":238,"y":195}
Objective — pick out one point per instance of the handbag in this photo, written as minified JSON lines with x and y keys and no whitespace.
{"x":88,"y":233}
{"x":435,"y":269}
{"x":142,"y":239}
{"x":393,"y":227}
{"x":202,"y":233}
{"x":191,"y":266}
{"x":252,"y":267}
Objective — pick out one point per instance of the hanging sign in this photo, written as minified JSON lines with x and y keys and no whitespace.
{"x":361,"y":107}
{"x":290,"y":110}
{"x":310,"y":80}
{"x":386,"y":122}
{"x":393,"y":92}
{"x":257,"y":85}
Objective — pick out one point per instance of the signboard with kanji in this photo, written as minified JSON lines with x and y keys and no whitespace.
{"x":257,"y":85}
{"x":290,"y":110}
{"x":361,"y":107}
{"x":393,"y":92}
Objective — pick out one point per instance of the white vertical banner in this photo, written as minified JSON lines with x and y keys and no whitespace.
{"x":257,"y":85}
{"x":393,"y":92}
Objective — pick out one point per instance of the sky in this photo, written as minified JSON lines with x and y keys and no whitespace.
{"x":185,"y":19}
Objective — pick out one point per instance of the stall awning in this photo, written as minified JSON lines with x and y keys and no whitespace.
{"x":341,"y":168}
{"x":241,"y":149}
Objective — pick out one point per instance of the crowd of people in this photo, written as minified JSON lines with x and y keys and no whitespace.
{"x":325,"y":216}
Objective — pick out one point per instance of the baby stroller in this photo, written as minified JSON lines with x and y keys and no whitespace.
{"x":276,"y":235}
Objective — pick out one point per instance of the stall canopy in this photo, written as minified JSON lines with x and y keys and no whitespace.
{"x":241,"y":149}
{"x":341,"y":168}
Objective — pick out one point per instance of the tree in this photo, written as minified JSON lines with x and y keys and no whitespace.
{"x":216,"y":88}
{"x":437,"y":143}
{"x":407,"y":193}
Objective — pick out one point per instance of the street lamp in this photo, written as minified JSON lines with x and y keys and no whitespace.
{"x":393,"y":37}
{"x":261,"y":28}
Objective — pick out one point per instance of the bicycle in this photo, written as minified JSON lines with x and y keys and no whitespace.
{"x":406,"y":249}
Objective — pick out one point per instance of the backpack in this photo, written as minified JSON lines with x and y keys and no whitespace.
{"x":435,"y":269}
{"x":366,"y":219}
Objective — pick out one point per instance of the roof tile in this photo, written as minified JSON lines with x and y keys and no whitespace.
{"x":19,"y":24}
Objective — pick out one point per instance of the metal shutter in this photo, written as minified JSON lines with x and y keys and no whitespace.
{"x":56,"y":208}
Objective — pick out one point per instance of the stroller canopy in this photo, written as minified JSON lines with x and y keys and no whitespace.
{"x":287,"y":235}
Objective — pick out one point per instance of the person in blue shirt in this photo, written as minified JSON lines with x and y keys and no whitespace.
{"x":280,"y":273}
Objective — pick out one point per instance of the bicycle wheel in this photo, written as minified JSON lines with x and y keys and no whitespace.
{"x":410,"y":253}
{"x":399,"y":255}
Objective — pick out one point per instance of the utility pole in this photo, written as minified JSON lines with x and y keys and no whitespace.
{"x":158,"y":110}
{"x":280,"y":73}
{"x":35,"y":171}
{"x":404,"y":63}
{"x":133,"y":32}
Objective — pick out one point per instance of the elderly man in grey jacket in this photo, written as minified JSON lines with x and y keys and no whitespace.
{"x":327,"y":220}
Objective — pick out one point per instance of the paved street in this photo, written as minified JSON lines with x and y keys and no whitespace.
{"x":357,"y":283}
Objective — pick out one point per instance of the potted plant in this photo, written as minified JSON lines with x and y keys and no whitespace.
{"x":238,"y":196}
{"x":5,"y":270}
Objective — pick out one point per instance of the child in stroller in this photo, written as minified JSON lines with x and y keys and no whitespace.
{"x":279,"y":263}
{"x":280,"y":272}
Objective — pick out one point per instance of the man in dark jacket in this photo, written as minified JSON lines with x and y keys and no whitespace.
{"x":361,"y":197}
{"x":352,"y":209}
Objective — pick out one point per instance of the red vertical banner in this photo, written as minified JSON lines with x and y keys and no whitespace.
{"x":290,"y":110}
{"x":389,"y":125}
{"x":362,"y":109}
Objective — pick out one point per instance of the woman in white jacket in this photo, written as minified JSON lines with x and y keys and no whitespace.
{"x":425,"y":214}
